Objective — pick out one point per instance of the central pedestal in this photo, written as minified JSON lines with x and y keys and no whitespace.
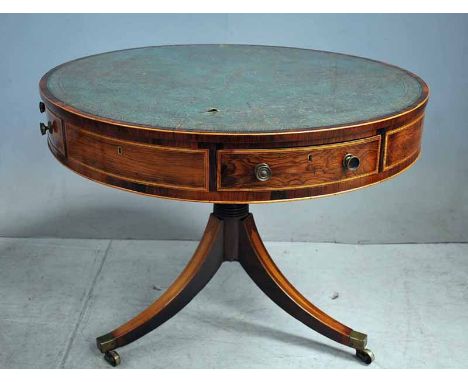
{"x":231,"y":235}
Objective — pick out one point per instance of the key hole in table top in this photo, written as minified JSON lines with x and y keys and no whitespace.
{"x":119,"y":150}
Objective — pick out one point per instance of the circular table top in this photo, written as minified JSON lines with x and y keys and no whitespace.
{"x":233,"y":88}
{"x":233,"y":123}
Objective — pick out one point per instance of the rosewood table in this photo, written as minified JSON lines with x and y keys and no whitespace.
{"x":232,"y":125}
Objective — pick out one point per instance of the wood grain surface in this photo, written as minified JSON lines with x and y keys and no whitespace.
{"x":259,"y":265}
{"x":296,"y":167}
{"x":206,"y":260}
{"x":402,"y":143}
{"x":142,"y":163}
{"x":56,"y":136}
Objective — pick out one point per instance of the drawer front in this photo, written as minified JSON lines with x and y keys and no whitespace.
{"x":56,"y":136}
{"x":296,"y":167}
{"x":141,"y":163}
{"x":402,"y":143}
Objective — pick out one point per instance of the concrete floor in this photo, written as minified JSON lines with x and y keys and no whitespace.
{"x":56,"y":296}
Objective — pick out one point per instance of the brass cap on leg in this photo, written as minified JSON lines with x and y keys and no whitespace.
{"x":106,"y":343}
{"x":357,"y":340}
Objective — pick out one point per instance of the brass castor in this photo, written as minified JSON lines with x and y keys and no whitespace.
{"x":112,"y":357}
{"x":365,"y":356}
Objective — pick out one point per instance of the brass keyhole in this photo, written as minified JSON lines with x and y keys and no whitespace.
{"x":119,"y":150}
{"x":309,"y":157}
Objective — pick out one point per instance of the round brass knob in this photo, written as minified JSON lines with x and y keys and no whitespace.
{"x":262,"y":172}
{"x":351,"y":162}
{"x":45,"y":127}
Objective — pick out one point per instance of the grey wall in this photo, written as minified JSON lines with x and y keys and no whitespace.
{"x":429,"y":203}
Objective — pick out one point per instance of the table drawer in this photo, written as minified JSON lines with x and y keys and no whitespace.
{"x":55,"y":136}
{"x":137,"y":162}
{"x":402,"y":143}
{"x":273,"y":169}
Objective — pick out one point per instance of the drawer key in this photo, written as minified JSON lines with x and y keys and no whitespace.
{"x":351,"y":162}
{"x":263,"y":172}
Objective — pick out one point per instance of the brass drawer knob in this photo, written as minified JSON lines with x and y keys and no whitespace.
{"x":351,"y":162}
{"x":45,"y":127}
{"x":262,"y":172}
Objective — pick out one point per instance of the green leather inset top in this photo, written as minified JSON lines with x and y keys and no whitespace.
{"x":233,"y":88}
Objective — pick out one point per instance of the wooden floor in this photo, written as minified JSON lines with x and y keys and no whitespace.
{"x":57,"y":295}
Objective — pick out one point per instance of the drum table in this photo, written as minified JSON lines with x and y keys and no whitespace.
{"x":232,"y":125}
